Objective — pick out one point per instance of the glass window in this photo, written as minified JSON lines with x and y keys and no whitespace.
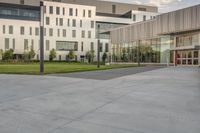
{"x":36,"y":31}
{"x":68,"y":22}
{"x":89,"y":13}
{"x":196,"y":54}
{"x":92,"y":24}
{"x":47,"y":45}
{"x":47,"y":21}
{"x":89,"y":34}
{"x":50,"y":32}
{"x":13,"y":44}
{"x":82,"y":46}
{"x":58,"y":10}
{"x":30,"y":32}
{"x":113,"y":9}
{"x":22,"y":30}
{"x":4,"y":29}
{"x":7,"y":43}
{"x":106,"y":47}
{"x":83,"y":34}
{"x":76,"y":12}
{"x":22,"y":2}
{"x":63,"y":11}
{"x":81,"y":23}
{"x":83,"y":12}
{"x":101,"y":47}
{"x":61,"y":21}
{"x":73,"y":33}
{"x":66,"y":46}
{"x":25,"y":44}
{"x":74,"y":22}
{"x":10,"y":29}
{"x":92,"y":46}
{"x":56,"y":21}
{"x":144,"y":17}
{"x":32,"y":44}
{"x":134,"y":17}
{"x":64,"y":33}
{"x":58,"y":32}
{"x":51,"y":10}
{"x":70,"y":11}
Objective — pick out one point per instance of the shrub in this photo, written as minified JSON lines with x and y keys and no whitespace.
{"x":52,"y":54}
{"x":8,"y":55}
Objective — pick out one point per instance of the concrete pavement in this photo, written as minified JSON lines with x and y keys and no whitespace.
{"x":160,"y":101}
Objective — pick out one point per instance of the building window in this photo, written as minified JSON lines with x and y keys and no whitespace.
{"x":73,"y":33}
{"x":106,"y":47}
{"x":68,"y":22}
{"x":144,"y":17}
{"x":56,"y":21}
{"x":25,"y":44}
{"x":36,"y":31}
{"x":89,"y":13}
{"x":89,"y":34}
{"x":58,"y":10}
{"x":81,"y":23}
{"x":92,"y":46}
{"x":58,"y":32}
{"x":74,"y":22}
{"x":113,"y":9}
{"x":84,"y":13}
{"x":32,"y":44}
{"x":51,"y":10}
{"x":61,"y":21}
{"x":47,"y":21}
{"x":10,"y":29}
{"x":66,"y":46}
{"x":22,"y":30}
{"x":64,"y":33}
{"x":101,"y":47}
{"x":22,"y":2}
{"x":82,"y":46}
{"x":4,"y":29}
{"x":92,"y":24}
{"x":7,"y":43}
{"x":30,"y":32}
{"x":142,"y":9}
{"x":63,"y":11}
{"x":13,"y":44}
{"x":76,"y":12}
{"x":50,"y":32}
{"x":83,"y":34}
{"x":47,"y":45}
{"x":134,"y":17}
{"x":45,"y":9}
{"x":70,"y":11}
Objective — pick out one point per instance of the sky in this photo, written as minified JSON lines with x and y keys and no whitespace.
{"x":164,"y":5}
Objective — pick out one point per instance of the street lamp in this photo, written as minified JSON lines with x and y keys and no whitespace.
{"x":41,"y":37}
{"x":98,"y":47}
{"x":138,"y":53}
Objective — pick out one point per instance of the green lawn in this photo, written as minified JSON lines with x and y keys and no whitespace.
{"x":53,"y":67}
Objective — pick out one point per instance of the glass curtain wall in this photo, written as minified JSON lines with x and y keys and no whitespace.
{"x":127,"y":52}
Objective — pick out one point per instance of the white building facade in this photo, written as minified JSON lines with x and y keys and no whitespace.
{"x":66,"y":27}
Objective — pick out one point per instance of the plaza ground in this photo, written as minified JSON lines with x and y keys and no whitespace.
{"x":54,"y":67}
{"x":164,"y":100}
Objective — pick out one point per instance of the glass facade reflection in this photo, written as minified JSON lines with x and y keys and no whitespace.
{"x":19,"y":12}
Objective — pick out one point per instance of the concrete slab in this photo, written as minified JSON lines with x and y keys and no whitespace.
{"x":159,"y":101}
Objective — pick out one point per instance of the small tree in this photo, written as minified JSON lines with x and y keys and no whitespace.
{"x":71,"y":55}
{"x":31,"y":54}
{"x":8,"y":55}
{"x":90,"y":56}
{"x":104,"y":57}
{"x":1,"y":54}
{"x":52,"y":54}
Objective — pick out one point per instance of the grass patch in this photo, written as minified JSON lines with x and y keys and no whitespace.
{"x":53,"y":67}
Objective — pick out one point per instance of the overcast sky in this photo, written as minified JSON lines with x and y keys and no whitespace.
{"x":164,"y":5}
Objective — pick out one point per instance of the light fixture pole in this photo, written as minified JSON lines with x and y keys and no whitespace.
{"x":41,"y":37}
{"x":98,"y":47}
{"x":138,"y":53}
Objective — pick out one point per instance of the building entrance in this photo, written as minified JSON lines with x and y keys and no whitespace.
{"x":187,"y":57}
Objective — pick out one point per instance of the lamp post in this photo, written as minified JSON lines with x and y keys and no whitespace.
{"x":98,"y":49}
{"x":138,"y":53}
{"x":41,"y":37}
